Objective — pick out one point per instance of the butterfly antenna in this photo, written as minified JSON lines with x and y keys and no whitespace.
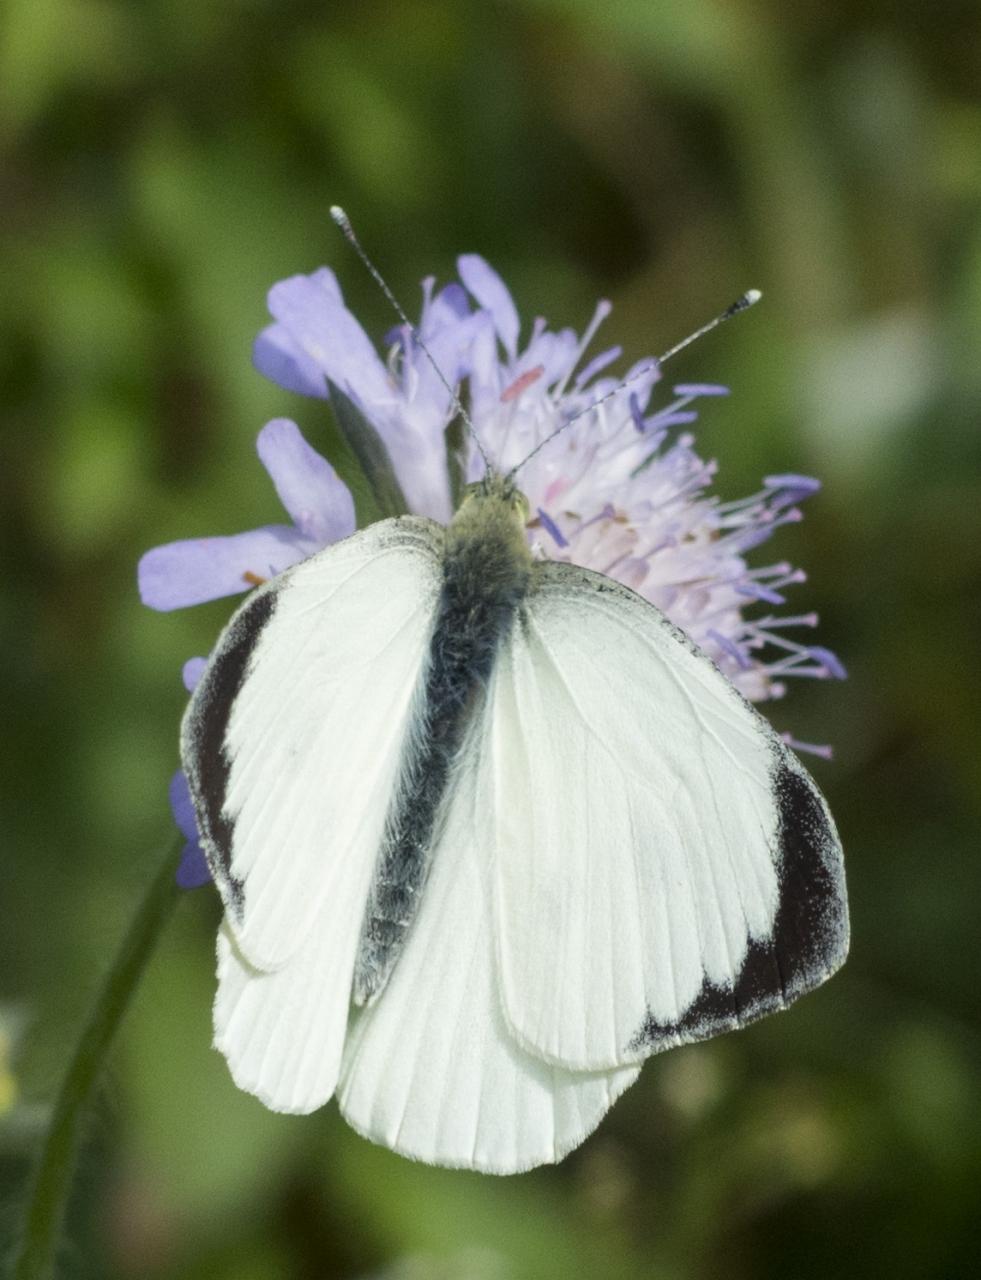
{"x":344,"y":222}
{"x":742,"y":303}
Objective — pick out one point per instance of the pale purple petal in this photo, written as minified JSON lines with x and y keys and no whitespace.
{"x":700,"y":389}
{"x":491,"y":292}
{"x":311,"y":311}
{"x":278,"y":357}
{"x":419,"y":460}
{"x":308,"y":486}
{"x":181,"y":806}
{"x":193,"y":870}
{"x":486,"y":378}
{"x":190,"y":572}
{"x":192,"y":672}
{"x":451,"y":348}
{"x":415,"y":436}
{"x":448,"y":306}
{"x":556,"y":352}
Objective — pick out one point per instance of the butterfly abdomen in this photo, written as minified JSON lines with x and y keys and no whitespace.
{"x":486,"y":574}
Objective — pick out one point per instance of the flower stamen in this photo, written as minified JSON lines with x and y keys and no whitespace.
{"x":521,"y":384}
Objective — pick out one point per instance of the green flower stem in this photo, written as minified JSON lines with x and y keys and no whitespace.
{"x":53,"y":1177}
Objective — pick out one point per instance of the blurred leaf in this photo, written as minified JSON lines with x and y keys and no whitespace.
{"x":212,"y":1146}
{"x":48,"y":44}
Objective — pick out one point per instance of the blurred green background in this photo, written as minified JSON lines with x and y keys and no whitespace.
{"x":164,"y":163}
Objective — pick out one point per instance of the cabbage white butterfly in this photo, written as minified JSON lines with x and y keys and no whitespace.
{"x":489,"y":831}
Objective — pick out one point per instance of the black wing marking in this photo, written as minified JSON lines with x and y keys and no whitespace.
{"x":482,"y":587}
{"x":205,"y":759}
{"x":810,"y":933}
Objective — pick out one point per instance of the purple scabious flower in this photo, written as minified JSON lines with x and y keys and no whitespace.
{"x":622,"y":490}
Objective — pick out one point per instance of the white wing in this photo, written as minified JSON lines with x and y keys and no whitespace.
{"x":291,"y":741}
{"x":291,"y":745}
{"x":665,"y":868}
{"x":282,"y":1032}
{"x":431,"y":1069}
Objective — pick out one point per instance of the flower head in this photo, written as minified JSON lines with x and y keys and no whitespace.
{"x":620,"y":490}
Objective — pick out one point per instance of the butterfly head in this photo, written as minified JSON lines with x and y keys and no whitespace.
{"x":493,"y":489}
{"x":493,"y":511}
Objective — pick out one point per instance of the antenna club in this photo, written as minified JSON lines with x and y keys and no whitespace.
{"x":743,"y":303}
{"x":344,"y":222}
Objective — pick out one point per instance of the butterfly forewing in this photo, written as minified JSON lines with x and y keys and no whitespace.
{"x":292,"y":757}
{"x":652,"y":885}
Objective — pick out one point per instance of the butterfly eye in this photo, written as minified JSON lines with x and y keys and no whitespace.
{"x":483,"y":488}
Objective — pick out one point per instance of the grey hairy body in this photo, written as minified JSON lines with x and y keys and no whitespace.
{"x":487,"y":571}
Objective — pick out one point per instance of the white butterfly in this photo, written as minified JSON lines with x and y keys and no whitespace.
{"x":489,"y":831}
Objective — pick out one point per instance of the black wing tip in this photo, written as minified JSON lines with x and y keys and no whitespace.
{"x":810,"y":935}
{"x":812,"y":919}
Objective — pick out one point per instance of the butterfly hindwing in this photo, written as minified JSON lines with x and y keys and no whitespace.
{"x":282,"y":1033}
{"x":431,"y":1069}
{"x":664,"y":867}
